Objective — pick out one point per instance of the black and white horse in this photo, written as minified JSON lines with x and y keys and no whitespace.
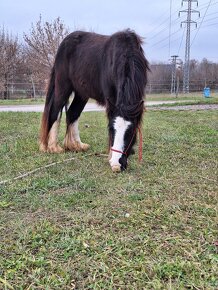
{"x":110,"y":69}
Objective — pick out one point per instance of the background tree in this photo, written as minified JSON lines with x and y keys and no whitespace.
{"x":10,"y":52}
{"x":159,"y":77}
{"x":41,"y":46}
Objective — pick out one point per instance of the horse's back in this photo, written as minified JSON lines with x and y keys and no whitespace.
{"x":79,"y":59}
{"x":82,"y":44}
{"x":97,"y":64}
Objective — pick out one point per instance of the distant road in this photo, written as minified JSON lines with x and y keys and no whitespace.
{"x":90,"y":107}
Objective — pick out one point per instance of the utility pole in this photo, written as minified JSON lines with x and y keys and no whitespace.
{"x":173,"y":79}
{"x":176,"y":66}
{"x":188,"y":23}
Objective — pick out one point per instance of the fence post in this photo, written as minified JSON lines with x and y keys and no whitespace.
{"x":33,"y":87}
{"x":177,"y":86}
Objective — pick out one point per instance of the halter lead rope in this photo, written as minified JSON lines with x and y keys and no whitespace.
{"x":140,"y":144}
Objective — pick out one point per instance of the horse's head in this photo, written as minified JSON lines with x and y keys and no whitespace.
{"x":125,"y":80}
{"x":122,"y":134}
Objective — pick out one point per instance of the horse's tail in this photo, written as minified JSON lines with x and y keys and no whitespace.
{"x":45,"y":117}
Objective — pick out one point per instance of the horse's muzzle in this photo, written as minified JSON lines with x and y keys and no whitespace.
{"x":116,"y":168}
{"x":121,"y":166}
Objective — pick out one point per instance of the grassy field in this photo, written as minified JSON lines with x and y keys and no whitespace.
{"x":194,"y":97}
{"x":22,"y":101}
{"x":77,"y":225}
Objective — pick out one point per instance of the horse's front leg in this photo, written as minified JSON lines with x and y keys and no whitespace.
{"x":72,"y":140}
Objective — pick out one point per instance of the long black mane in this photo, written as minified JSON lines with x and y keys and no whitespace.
{"x":126,"y":69}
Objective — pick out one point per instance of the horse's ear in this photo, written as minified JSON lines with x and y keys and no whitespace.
{"x":130,"y":34}
{"x":140,"y":40}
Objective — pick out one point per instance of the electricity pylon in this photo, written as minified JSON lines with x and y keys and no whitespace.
{"x":188,"y":23}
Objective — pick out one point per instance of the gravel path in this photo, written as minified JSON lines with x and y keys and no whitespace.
{"x":40,"y":107}
{"x":185,"y":108}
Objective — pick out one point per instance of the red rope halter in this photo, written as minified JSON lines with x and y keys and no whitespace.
{"x":140,"y":144}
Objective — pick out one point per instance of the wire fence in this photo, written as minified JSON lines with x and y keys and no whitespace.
{"x":26,"y":90}
{"x":21,"y":90}
{"x":196,"y":86}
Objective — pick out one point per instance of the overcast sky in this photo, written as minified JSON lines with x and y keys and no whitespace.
{"x":157,"y":21}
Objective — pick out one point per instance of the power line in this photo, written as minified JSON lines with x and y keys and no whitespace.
{"x":170,"y":24}
{"x":176,"y":39}
{"x":173,"y":40}
{"x":156,"y":27}
{"x":204,"y":5}
{"x":201,"y":22}
{"x":164,"y":21}
{"x":165,"y":38}
{"x":164,"y":27}
{"x":183,"y":34}
{"x":212,"y":24}
{"x":212,"y":13}
{"x":210,"y":19}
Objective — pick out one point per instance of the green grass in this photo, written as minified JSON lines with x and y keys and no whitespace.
{"x":22,"y":101}
{"x":187,"y":103}
{"x":77,"y":225}
{"x":191,"y":98}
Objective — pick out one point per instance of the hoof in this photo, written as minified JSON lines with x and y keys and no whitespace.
{"x":116,"y":168}
{"x":76,"y":146}
{"x":85,"y":147}
{"x":55,"y":149}
{"x":109,"y":155}
{"x":42,"y":148}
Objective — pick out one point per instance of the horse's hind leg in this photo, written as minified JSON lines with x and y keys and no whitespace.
{"x":53,"y":146}
{"x":62,"y":93}
{"x":72,"y":140}
{"x":50,"y":125}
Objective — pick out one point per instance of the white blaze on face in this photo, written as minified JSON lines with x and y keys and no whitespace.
{"x":120,"y":127}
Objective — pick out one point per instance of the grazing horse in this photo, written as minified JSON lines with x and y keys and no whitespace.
{"x":110,"y":69}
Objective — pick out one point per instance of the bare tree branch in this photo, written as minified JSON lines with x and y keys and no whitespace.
{"x":42,"y":44}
